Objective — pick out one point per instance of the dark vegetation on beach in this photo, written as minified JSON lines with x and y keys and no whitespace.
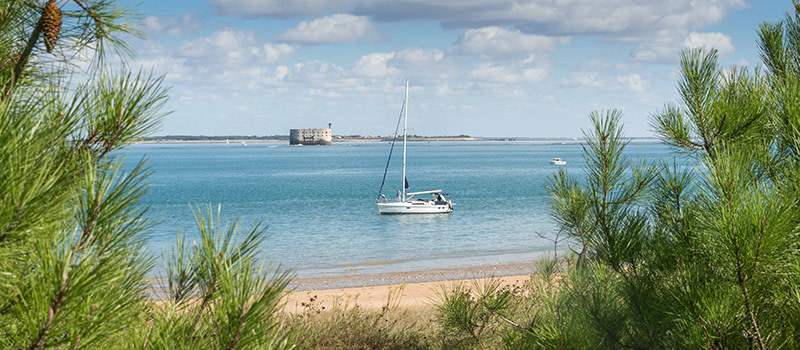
{"x":660,"y":257}
{"x":349,"y":326}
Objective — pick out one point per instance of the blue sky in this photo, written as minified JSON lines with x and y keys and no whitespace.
{"x":499,"y":68}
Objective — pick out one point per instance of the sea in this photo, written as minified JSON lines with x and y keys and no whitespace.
{"x":318,"y":202}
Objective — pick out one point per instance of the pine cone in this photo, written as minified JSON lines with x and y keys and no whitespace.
{"x":51,"y":24}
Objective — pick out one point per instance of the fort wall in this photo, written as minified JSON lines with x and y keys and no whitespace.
{"x":311,"y":136}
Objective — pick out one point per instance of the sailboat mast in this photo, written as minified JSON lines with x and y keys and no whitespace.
{"x":405,"y":127}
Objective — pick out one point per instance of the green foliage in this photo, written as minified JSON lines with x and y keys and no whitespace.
{"x":221,"y":295}
{"x":705,"y":256}
{"x":605,"y":217}
{"x":717,"y":107}
{"x":72,"y":266}
{"x":478,"y":313}
{"x":79,"y":286}
{"x":73,"y":270}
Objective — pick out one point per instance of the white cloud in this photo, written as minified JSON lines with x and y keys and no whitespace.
{"x":227,"y":60}
{"x":654,"y":53}
{"x":665,"y":46}
{"x":637,"y":18}
{"x":534,"y":74}
{"x":314,"y":73}
{"x":627,"y":66}
{"x":171,"y":25}
{"x":225,"y":42}
{"x":595,"y":64}
{"x":634,"y":82}
{"x":248,"y":77}
{"x":281,"y":72}
{"x":338,"y":28}
{"x":495,"y":40}
{"x":419,"y":56}
{"x":174,"y":69}
{"x":190,"y":97}
{"x":443,"y":90}
{"x":557,"y":17}
{"x":324,"y":93}
{"x":279,"y":8}
{"x":435,"y":69}
{"x":430,"y":64}
{"x":655,"y":29}
{"x":718,"y":41}
{"x":271,"y":53}
{"x":232,"y":47}
{"x":598,"y":81}
{"x":585,"y":79}
{"x":493,"y":73}
{"x":375,"y":65}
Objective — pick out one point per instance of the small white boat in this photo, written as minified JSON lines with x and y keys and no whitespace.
{"x":558,"y":161}
{"x":405,"y":202}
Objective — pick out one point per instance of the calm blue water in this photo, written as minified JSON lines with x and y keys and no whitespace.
{"x":317,"y":201}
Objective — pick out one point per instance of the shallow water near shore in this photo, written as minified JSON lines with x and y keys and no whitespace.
{"x":318,"y":201}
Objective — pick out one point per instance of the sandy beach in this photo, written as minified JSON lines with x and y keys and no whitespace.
{"x":411,"y":289}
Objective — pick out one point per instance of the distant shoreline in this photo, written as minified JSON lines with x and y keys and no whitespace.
{"x":213,"y":141}
{"x":377,"y":139}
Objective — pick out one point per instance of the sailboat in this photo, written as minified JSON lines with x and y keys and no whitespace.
{"x":405,"y":202}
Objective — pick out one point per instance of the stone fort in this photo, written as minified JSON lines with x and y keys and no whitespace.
{"x":311,"y":136}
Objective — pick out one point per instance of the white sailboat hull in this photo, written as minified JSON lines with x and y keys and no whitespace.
{"x":415,"y":207}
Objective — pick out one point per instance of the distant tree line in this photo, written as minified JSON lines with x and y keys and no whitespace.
{"x":276,"y":137}
{"x":213,"y":138}
{"x":462,"y":136}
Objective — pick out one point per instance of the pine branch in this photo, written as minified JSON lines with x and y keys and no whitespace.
{"x":600,"y":323}
{"x":91,"y":14}
{"x":203,"y":304}
{"x":23,"y":60}
{"x":740,"y":279}
{"x":239,"y":329}
{"x":55,"y":307}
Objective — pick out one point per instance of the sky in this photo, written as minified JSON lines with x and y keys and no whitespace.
{"x":487,"y":68}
